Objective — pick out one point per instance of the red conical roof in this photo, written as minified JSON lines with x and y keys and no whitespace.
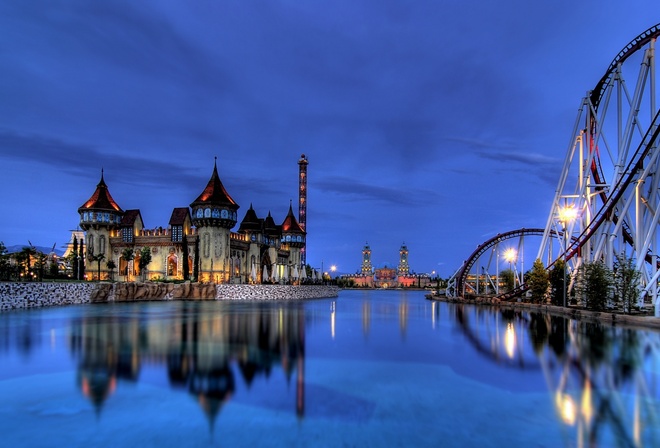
{"x":215,"y":193}
{"x":101,"y":199}
{"x":290,"y":224}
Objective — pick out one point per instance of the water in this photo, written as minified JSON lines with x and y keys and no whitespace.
{"x":371,"y":368}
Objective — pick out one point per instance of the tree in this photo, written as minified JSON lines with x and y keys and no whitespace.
{"x":185,"y":266}
{"x":26,"y":257}
{"x":73,"y":258}
{"x":81,"y":259}
{"x":556,"y":276}
{"x":626,"y":282}
{"x":507,"y":277}
{"x":145,"y":259}
{"x":594,"y":285}
{"x":196,"y":260}
{"x":53,"y":269}
{"x":40,"y":261}
{"x":111,"y":265}
{"x":538,"y":282}
{"x":127,"y":254}
{"x":98,"y":258}
{"x":5,"y":270}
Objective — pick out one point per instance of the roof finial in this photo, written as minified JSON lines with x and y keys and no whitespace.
{"x":215,"y":161}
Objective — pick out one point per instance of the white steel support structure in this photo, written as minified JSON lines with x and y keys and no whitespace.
{"x":611,"y":174}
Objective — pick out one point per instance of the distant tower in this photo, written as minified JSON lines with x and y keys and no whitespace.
{"x":367,"y":269}
{"x":302,"y":202}
{"x":403,"y":268}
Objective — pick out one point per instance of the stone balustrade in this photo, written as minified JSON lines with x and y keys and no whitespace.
{"x":35,"y":294}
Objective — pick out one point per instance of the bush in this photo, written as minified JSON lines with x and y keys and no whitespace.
{"x":626,"y":282}
{"x":538,"y":282}
{"x":594,"y":285}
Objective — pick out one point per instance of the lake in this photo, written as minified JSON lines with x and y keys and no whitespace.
{"x":369,"y":368}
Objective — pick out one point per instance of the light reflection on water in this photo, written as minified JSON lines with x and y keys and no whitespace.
{"x":375,"y":368}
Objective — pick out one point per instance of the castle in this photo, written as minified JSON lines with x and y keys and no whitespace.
{"x":385,"y":277}
{"x":198,"y":242}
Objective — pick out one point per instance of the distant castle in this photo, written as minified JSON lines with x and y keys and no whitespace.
{"x":198,"y":241}
{"x":385,"y":277}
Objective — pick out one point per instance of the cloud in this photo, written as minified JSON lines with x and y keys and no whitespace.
{"x":355,"y":190}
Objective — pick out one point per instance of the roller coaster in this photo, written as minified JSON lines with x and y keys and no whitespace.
{"x":609,"y":182}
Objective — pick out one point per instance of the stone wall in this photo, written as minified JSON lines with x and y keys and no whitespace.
{"x":34,"y":294}
{"x":274,"y":292}
{"x":31,"y":295}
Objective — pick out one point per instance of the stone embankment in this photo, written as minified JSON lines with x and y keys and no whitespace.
{"x":571,"y":312}
{"x":30,"y":295}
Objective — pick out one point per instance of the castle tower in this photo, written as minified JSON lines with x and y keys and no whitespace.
{"x":100,"y":217}
{"x":403,"y":268}
{"x":214,"y":214}
{"x":302,"y":202}
{"x":252,"y":227}
{"x":367,"y":269}
{"x":294,"y":237}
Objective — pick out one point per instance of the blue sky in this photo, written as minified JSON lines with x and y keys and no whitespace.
{"x":434,"y":123}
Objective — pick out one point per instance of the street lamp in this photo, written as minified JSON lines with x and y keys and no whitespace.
{"x":566,"y":215}
{"x":510,"y":255}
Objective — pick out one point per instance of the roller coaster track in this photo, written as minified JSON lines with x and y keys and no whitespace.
{"x":635,"y":164}
{"x":462,"y":274}
{"x":634,"y":45}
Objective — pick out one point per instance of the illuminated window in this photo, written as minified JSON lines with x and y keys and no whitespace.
{"x":177,"y":233}
{"x":123,"y":266}
{"x":172,"y":265}
{"x":127,"y":234}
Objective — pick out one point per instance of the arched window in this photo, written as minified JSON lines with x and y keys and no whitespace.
{"x":172,"y":265}
{"x":136,"y":264}
{"x":102,"y":244}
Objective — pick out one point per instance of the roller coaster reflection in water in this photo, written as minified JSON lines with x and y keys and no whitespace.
{"x":603,"y":380}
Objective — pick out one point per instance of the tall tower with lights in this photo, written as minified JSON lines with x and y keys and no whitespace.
{"x":302,"y":202}
{"x":403,"y":268}
{"x":366,"y":269}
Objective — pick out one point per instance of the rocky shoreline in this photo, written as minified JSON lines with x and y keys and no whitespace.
{"x":571,"y":312}
{"x":39,"y":294}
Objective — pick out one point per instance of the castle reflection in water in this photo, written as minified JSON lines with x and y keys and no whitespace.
{"x":604,"y":381}
{"x":199,"y":350}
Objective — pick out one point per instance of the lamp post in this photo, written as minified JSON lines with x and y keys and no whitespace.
{"x":510,"y":255}
{"x":566,"y":215}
